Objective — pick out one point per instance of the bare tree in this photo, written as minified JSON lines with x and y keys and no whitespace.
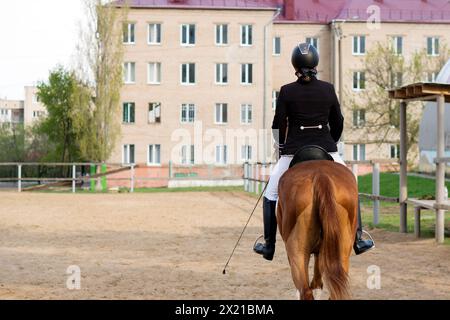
{"x":100,"y":64}
{"x":384,"y":69}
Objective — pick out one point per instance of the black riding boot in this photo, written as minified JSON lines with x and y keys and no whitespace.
{"x":360,"y":246}
{"x":270,"y":230}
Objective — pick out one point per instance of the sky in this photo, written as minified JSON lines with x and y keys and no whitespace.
{"x":35,"y":36}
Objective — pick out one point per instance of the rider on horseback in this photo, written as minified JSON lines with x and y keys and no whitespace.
{"x":309,"y":112}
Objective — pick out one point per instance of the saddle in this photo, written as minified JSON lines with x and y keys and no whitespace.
{"x":308,"y":153}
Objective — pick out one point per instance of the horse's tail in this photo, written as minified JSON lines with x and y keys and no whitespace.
{"x":330,"y":255}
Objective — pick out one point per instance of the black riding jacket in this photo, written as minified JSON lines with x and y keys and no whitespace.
{"x":305,"y":104}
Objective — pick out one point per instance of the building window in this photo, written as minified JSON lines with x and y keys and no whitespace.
{"x":154,"y":112}
{"x":433,"y":46}
{"x":221,"y":34}
{"x":246,"y":113}
{"x":395,"y":151}
{"x":128,"y":112}
{"x":359,"y":118}
{"x":359,"y":80}
{"x":359,"y":45}
{"x":431,"y":76}
{"x":221,"y":113}
{"x":359,"y":152}
{"x":188,"y":154}
{"x":128,"y":33}
{"x":154,"y":73}
{"x":6,"y":115}
{"x":129,"y":74}
{"x":188,"y":34}
{"x":154,"y":154}
{"x":396,"y":79}
{"x":314,"y":42}
{"x":246,"y":73}
{"x":276,"y":46}
{"x":35,"y":98}
{"x":246,"y":153}
{"x":221,"y":73}
{"x":188,"y":73}
{"x":275,"y":95}
{"x":397,"y":45}
{"x":38,"y":114}
{"x":154,"y":33}
{"x":246,"y":35}
{"x":187,"y":113}
{"x":128,"y":154}
{"x":221,"y":154}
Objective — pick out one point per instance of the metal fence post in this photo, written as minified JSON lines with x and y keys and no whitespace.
{"x":376,"y":192}
{"x":257,"y":178}
{"x":74,"y":177}
{"x":19,"y":176}
{"x":252,"y":177}
{"x":246,"y":176}
{"x":132,"y":178}
{"x":263,"y":184}
{"x":355,"y":171}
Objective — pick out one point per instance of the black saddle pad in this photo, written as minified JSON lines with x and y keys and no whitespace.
{"x":309,"y":153}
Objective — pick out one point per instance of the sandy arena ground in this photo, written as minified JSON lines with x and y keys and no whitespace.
{"x":174,"y":246}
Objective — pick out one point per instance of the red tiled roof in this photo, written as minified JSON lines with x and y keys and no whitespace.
{"x":321,"y":11}
{"x":316,"y":11}
{"x":398,"y":10}
{"x":209,"y":4}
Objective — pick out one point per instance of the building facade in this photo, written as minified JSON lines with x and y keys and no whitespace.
{"x":193,"y":75}
{"x":33,"y":109}
{"x":191,"y":64}
{"x":11,"y":111}
{"x":25,"y":111}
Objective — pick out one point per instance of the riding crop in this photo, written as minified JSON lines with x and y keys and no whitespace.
{"x":245,"y":227}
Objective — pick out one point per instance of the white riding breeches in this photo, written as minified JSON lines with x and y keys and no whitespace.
{"x":280,"y":168}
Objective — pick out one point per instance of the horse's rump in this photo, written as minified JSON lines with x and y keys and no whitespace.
{"x":320,"y":198}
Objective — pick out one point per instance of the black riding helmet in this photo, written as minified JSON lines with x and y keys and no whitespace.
{"x":305,"y":56}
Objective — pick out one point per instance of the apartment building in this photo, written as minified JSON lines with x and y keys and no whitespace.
{"x":33,"y":108}
{"x":25,"y":111}
{"x":11,"y":111}
{"x":189,"y":74}
{"x":205,"y":61}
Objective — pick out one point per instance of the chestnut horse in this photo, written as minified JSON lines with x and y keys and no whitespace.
{"x":316,"y":214}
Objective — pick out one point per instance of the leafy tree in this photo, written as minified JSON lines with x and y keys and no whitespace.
{"x":100,"y":64}
{"x":68,"y":116}
{"x":384,"y":69}
{"x":21,"y":144}
{"x":12,"y":142}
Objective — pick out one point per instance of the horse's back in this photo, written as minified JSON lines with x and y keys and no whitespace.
{"x":300,"y":178}
{"x":296,"y":191}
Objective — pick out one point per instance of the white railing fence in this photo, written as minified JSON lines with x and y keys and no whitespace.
{"x":257,"y":174}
